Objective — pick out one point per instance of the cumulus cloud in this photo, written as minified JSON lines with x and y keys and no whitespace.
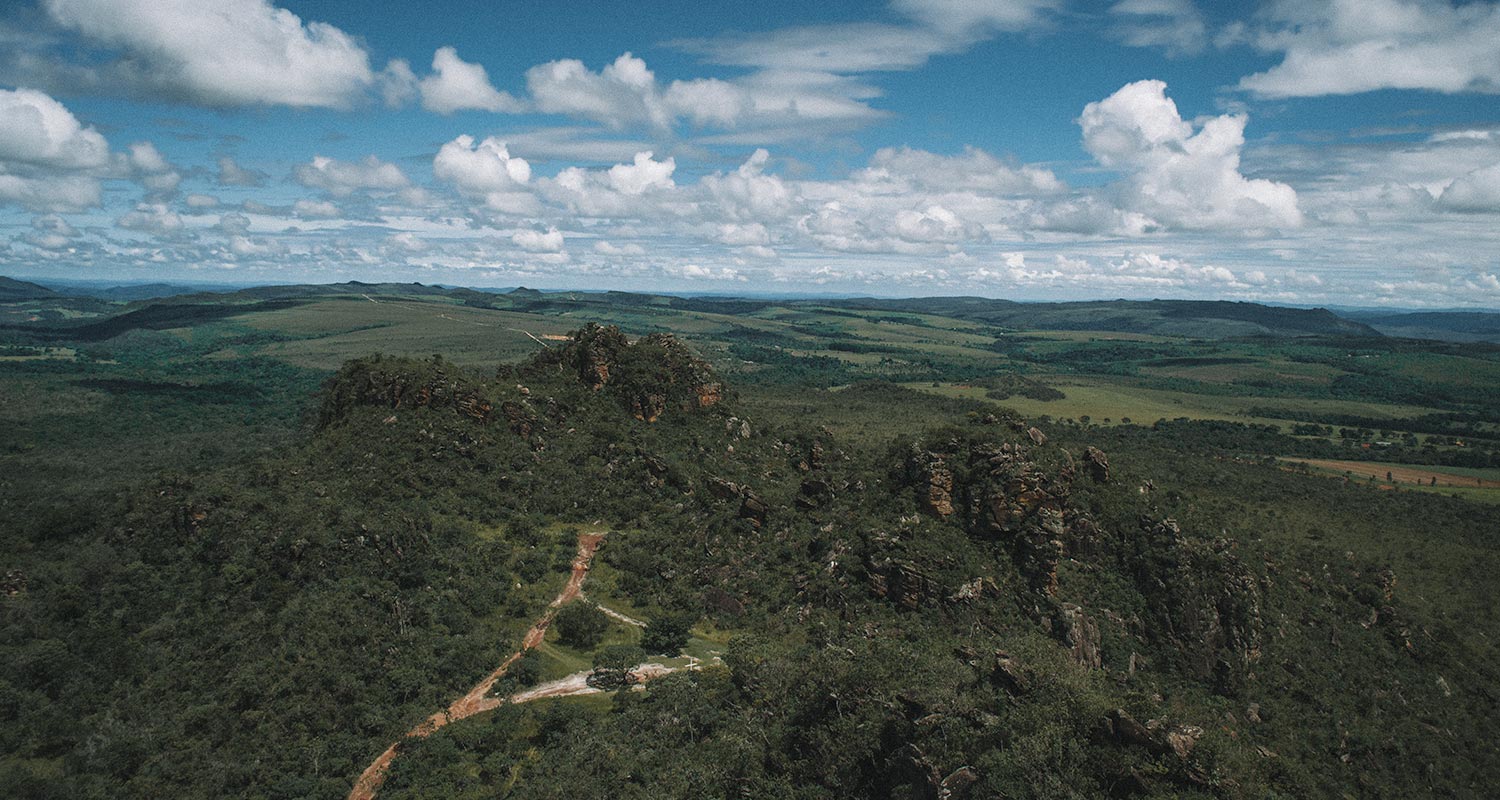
{"x":457,"y":85}
{"x":232,"y":174}
{"x":533,"y":241}
{"x":642,"y":175}
{"x":224,"y":52}
{"x":343,"y":178}
{"x":1478,"y":191}
{"x":642,"y":188}
{"x":316,"y":209}
{"x":50,"y":232}
{"x":623,"y":93}
{"x":1176,"y":176}
{"x":398,"y":84}
{"x":486,"y":171}
{"x":972,"y":170}
{"x":151,"y":168}
{"x":153,"y":218}
{"x":39,"y":131}
{"x":626,"y":93}
{"x":48,"y":160}
{"x":1334,"y":47}
{"x":629,"y":249}
{"x":201,"y":201}
{"x":750,"y":194}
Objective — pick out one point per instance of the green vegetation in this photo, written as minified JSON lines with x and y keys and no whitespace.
{"x":243,"y":554}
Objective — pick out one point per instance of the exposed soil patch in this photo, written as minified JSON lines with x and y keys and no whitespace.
{"x":1407,"y":474}
{"x":475,"y":700}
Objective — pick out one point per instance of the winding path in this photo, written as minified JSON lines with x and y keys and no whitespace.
{"x":476,"y":700}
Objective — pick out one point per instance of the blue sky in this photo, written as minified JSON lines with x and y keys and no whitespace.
{"x":1321,"y":151}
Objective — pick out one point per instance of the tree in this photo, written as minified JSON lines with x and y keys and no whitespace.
{"x":581,"y":625}
{"x":667,"y":634}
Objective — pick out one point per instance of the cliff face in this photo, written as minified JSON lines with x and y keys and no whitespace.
{"x":1202,"y":604}
{"x":403,"y":383}
{"x":650,"y":376}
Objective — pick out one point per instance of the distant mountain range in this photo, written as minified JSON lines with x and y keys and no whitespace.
{"x":159,"y":304}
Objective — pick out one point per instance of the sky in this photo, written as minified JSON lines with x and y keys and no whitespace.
{"x":1317,"y":152}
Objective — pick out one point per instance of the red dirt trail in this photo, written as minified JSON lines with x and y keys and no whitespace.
{"x":475,"y":701}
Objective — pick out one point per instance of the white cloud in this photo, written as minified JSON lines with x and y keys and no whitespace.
{"x":486,"y":171}
{"x":406,"y":242}
{"x":316,"y":209}
{"x":232,"y":174}
{"x":457,"y":85}
{"x":398,"y":84}
{"x":201,"y":201}
{"x":152,"y":169}
{"x":1478,"y":191}
{"x":623,"y":93}
{"x":343,"y":178}
{"x":48,"y":160}
{"x":36,"y":130}
{"x":744,"y":234}
{"x":1176,"y":177}
{"x":962,"y":16}
{"x":750,"y":194}
{"x":50,"y":232}
{"x":243,"y":247}
{"x":642,"y":175}
{"x":629,"y":249}
{"x":1352,"y":46}
{"x":626,"y":94}
{"x":233,"y":223}
{"x":972,"y":170}
{"x":154,"y":218}
{"x":534,"y":241}
{"x":225,"y":52}
{"x":1173,"y":25}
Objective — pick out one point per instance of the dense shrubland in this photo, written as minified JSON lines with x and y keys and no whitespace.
{"x":941,"y":600}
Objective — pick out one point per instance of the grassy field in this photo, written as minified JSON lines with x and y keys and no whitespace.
{"x":1110,"y":401}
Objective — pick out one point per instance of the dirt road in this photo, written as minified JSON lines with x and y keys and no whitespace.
{"x":1411,"y":474}
{"x":475,"y":701}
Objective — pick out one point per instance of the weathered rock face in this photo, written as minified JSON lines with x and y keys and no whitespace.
{"x":650,"y":376}
{"x":753,"y":509}
{"x":1080,"y":635}
{"x":522,"y":422}
{"x":648,"y":407}
{"x":401,"y":383}
{"x":934,"y":483}
{"x":1097,"y":464}
{"x":1203,"y":601}
{"x":903,"y":582}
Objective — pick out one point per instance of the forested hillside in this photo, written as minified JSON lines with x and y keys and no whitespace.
{"x":877,"y":592}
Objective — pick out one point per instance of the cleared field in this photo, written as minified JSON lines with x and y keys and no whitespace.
{"x":345,"y":328}
{"x":1270,"y":371}
{"x":1407,"y":473}
{"x":1106,"y":402}
{"x":1470,"y":484}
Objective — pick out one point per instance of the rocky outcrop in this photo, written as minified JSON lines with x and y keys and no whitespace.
{"x":1080,"y":634}
{"x":649,"y":376}
{"x":403,"y":383}
{"x":934,"y":483}
{"x":903,"y":582}
{"x":1096,"y":464}
{"x":1202,"y":601}
{"x":753,"y":509}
